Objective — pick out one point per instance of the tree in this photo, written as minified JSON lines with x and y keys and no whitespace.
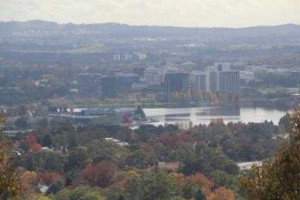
{"x":163,"y":187}
{"x":78,"y":158}
{"x":106,"y":151}
{"x":9,"y":188}
{"x":140,"y":159}
{"x":47,"y":141}
{"x":188,"y":191}
{"x":199,"y":195}
{"x":152,"y":185}
{"x":221,"y":178}
{"x":44,"y":161}
{"x":54,"y":188}
{"x":81,"y":192}
{"x":49,"y":178}
{"x":38,"y":197}
{"x":99,"y":174}
{"x":28,"y":181}
{"x":22,"y":123}
{"x":278,"y":178}
{"x":202,"y":182}
{"x":31,"y":141}
{"x":222,"y":193}
{"x":8,"y":179}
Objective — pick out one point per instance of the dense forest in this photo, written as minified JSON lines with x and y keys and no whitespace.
{"x":115,"y":163}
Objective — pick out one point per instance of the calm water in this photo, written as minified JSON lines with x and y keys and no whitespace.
{"x":203,"y":115}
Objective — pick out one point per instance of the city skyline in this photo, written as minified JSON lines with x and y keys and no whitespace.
{"x":191,"y":13}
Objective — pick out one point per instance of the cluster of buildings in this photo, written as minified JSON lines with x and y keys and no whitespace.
{"x":105,"y":86}
{"x":163,"y":81}
{"x":102,"y":115}
{"x":217,"y":78}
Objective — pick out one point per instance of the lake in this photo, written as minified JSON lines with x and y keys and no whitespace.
{"x":204,"y":115}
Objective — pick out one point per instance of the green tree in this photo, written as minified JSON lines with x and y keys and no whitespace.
{"x":44,"y":161}
{"x":106,"y":151}
{"x":199,"y":195}
{"x":153,"y":185}
{"x":221,"y":178}
{"x":22,"y":123}
{"x":77,"y":159}
{"x":47,"y":141}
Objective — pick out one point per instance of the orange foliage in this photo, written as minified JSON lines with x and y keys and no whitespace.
{"x":202,"y":182}
{"x":222,"y":193}
{"x":179,"y":178}
{"x":27,"y":181}
{"x":36,"y":147}
{"x":198,"y":180}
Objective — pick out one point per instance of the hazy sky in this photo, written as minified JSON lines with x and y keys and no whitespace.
{"x":201,"y":13}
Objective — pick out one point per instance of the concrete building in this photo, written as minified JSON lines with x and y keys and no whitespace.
{"x":199,"y":82}
{"x":223,"y":79}
{"x":213,"y":81}
{"x":229,"y":81}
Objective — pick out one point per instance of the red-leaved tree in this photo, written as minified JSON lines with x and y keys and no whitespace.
{"x":31,"y":141}
{"x":99,"y":174}
{"x":48,"y":178}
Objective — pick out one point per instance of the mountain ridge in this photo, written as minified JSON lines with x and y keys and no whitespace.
{"x":37,"y":21}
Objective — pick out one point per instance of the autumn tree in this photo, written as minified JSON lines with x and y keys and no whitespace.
{"x":99,"y":174}
{"x":48,"y":178}
{"x":278,"y":177}
{"x":222,"y":193}
{"x":32,"y":143}
{"x":9,"y":188}
{"x":28,"y":182}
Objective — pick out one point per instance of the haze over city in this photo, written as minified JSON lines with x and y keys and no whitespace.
{"x":149,"y":99}
{"x":188,"y":13}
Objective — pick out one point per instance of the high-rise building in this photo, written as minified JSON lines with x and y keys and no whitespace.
{"x":229,"y":81}
{"x":223,"y":79}
{"x":214,"y":81}
{"x":175,"y":82}
{"x":199,"y":82}
{"x":89,"y":85}
{"x":109,"y":86}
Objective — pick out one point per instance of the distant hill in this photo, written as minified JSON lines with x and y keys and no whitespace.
{"x":38,"y":34}
{"x":124,"y":30}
